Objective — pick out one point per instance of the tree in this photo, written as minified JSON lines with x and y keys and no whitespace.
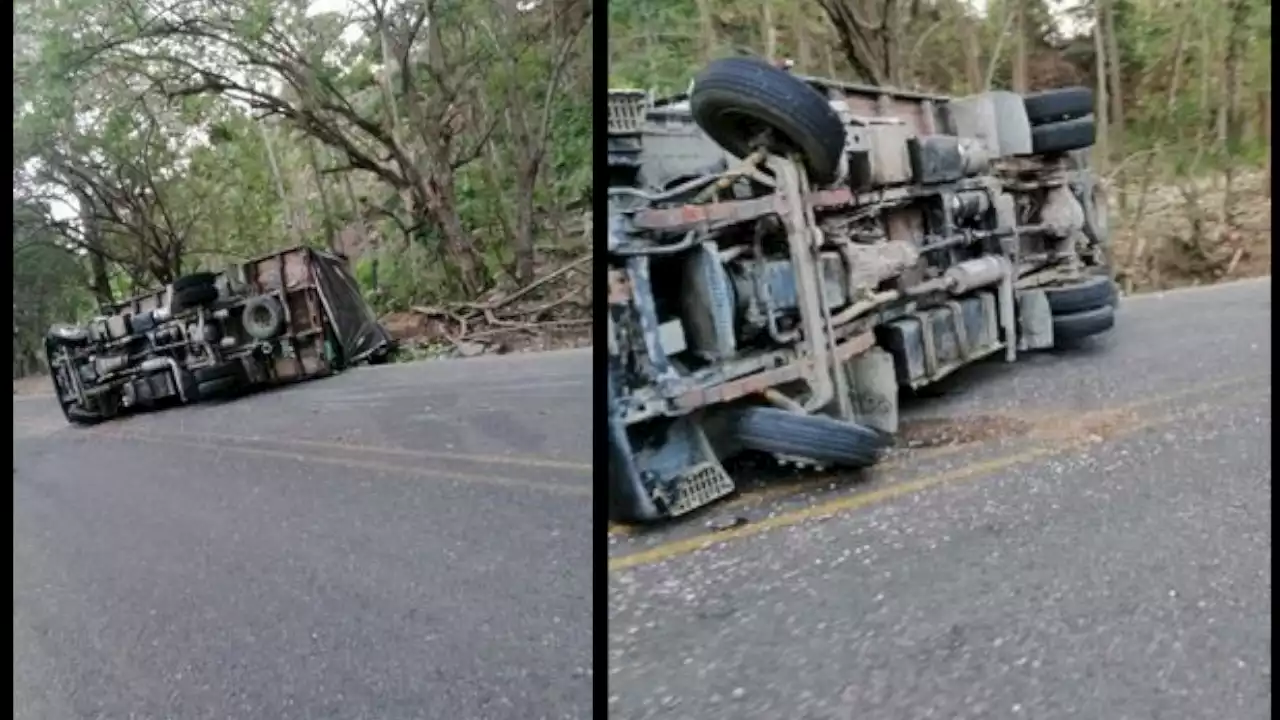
{"x":180,"y":133}
{"x":402,"y":104}
{"x":871,"y":34}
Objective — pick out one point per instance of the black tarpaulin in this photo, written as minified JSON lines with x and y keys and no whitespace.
{"x":358,"y":330}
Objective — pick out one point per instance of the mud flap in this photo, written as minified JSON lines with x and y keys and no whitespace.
{"x":873,"y":389}
{"x":1035,"y":321}
{"x":664,"y":468}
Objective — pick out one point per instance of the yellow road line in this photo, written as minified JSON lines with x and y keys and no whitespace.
{"x":894,"y":490}
{"x":522,"y":461}
{"x":890,"y":491}
{"x":759,"y":496}
{"x":559,"y":489}
{"x":783,"y":490}
{"x":792,"y":489}
{"x":853,"y":502}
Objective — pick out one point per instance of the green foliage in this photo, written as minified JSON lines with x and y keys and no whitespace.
{"x":659,"y":46}
{"x":115,"y":119}
{"x":1183,"y":124}
{"x":655,"y":44}
{"x":51,"y":290}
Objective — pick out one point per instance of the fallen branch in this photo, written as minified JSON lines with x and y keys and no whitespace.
{"x":441,"y":312}
{"x":536,"y":311}
{"x":1235,"y":260}
{"x":1112,"y":178}
{"x":476,"y":320}
{"x":495,"y":304}
{"x":531,"y":327}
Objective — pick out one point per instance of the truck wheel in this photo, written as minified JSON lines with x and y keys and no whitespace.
{"x":1089,"y":294}
{"x":74,"y":412}
{"x":262,"y":318}
{"x":1070,"y":329}
{"x":1060,"y":137}
{"x":735,"y":100}
{"x":219,"y":380}
{"x":1050,"y":106}
{"x":231,"y":369}
{"x":99,"y":408}
{"x":194,"y":296}
{"x":817,"y":437}
{"x":71,"y":410}
{"x":77,"y":415}
{"x":198,"y":279}
{"x":382,"y":356}
{"x":66,"y":335}
{"x":194,"y":290}
{"x":222,"y":387}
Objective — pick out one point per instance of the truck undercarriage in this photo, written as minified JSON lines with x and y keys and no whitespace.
{"x":290,"y":315}
{"x":786,"y":253}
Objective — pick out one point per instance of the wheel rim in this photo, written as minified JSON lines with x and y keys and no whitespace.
{"x":753,"y":133}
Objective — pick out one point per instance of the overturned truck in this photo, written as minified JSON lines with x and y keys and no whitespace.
{"x":785,"y":253}
{"x":290,"y":315}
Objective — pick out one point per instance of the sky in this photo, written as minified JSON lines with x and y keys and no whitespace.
{"x":1069,"y":26}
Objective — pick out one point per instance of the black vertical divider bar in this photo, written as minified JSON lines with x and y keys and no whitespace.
{"x":600,"y":450}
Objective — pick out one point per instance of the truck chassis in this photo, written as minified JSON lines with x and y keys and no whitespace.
{"x":786,"y":253}
{"x":290,"y":315}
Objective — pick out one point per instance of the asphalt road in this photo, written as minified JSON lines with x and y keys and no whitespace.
{"x":406,"y":542}
{"x":1096,"y":543}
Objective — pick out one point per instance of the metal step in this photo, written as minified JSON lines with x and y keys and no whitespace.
{"x":701,"y":485}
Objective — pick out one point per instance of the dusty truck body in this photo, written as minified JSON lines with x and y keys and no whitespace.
{"x":286,"y":316}
{"x":787,"y":253}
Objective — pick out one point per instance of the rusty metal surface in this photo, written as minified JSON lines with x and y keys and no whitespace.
{"x":890,"y":160}
{"x":307,"y":336}
{"x":897,"y":238}
{"x":917,"y":112}
{"x":759,"y":382}
{"x":293,"y":275}
{"x":290,"y":273}
{"x":730,"y":212}
{"x":828,"y":199}
{"x":873,"y":91}
{"x":734,"y":389}
{"x":144,"y":302}
{"x":288,"y":269}
{"x":688,"y":217}
{"x":619,"y":287}
{"x":906,"y":226}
